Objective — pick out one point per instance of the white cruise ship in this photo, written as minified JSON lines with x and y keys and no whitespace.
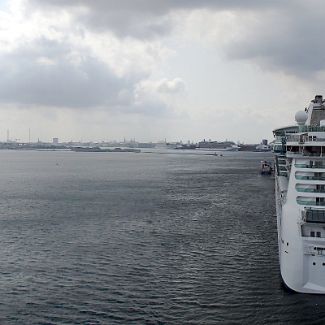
{"x":300,"y":199}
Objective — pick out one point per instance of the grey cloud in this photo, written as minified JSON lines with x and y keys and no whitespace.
{"x":142,"y":18}
{"x":159,"y":7}
{"x":50,"y":74}
{"x":289,"y":40}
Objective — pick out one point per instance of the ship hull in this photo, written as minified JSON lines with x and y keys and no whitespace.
{"x":301,"y":271}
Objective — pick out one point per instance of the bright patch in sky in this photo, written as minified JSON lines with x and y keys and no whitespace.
{"x":3,"y":4}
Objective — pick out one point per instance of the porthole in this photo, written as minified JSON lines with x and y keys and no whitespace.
{"x":314,"y":263}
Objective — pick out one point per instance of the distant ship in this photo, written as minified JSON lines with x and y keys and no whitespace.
{"x":186,"y":146}
{"x":300,"y":199}
{"x":218,"y":146}
{"x":263,"y":146}
{"x":98,"y":149}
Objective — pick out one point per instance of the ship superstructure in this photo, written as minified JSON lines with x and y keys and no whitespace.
{"x":300,"y":199}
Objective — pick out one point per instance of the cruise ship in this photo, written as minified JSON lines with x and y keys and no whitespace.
{"x":300,"y":199}
{"x":217,"y":146}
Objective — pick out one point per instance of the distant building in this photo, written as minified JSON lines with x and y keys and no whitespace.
{"x":55,"y":141}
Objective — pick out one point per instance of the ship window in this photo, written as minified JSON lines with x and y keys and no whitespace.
{"x":312,"y":234}
{"x":318,"y":234}
{"x":320,"y":188}
{"x":323,"y":264}
{"x":314,"y":263}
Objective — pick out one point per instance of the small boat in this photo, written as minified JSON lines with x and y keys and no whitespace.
{"x":266,"y":167}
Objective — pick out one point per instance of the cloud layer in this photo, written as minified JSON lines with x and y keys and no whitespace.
{"x":282,"y":35}
{"x":158,"y":58}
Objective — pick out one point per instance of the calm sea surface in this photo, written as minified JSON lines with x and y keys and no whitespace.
{"x":123,"y":238}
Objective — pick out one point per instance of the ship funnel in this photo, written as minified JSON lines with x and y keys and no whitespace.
{"x":318,"y":99}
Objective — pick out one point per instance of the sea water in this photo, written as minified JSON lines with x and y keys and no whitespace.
{"x":150,"y":238}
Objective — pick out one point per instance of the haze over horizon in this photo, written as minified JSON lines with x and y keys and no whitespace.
{"x":151,"y":70}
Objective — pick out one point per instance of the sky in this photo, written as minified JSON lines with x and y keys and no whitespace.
{"x":157,"y":69}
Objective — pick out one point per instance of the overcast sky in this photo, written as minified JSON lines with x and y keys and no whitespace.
{"x":155,"y":69}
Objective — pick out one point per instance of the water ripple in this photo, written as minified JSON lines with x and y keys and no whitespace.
{"x":141,"y":239}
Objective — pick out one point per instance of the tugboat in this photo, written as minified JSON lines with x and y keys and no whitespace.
{"x":266,"y":167}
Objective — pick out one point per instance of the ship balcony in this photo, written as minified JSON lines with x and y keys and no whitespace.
{"x":310,"y":178}
{"x":294,"y":151}
{"x":313,"y":166}
{"x":313,"y":215}
{"x":293,"y":138}
{"x":298,"y":154}
{"x":309,"y":128}
{"x":304,"y":139}
{"x":311,"y":201}
{"x":301,"y":189}
{"x":294,"y":154}
{"x":282,"y":170}
{"x":279,"y":149}
{"x":310,"y":175}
